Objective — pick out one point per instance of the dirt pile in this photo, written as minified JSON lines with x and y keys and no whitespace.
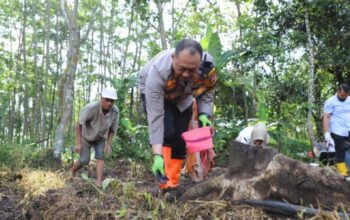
{"x":124,"y":201}
{"x":129,"y":192}
{"x":10,"y":195}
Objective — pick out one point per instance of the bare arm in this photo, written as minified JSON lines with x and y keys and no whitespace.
{"x":110,"y":137}
{"x":326,"y":118}
{"x":108,"y":148}
{"x":157,"y":149}
{"x":78,"y":130}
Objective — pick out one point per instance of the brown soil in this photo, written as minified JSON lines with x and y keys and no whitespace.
{"x":10,"y":196}
{"x":131,"y":194}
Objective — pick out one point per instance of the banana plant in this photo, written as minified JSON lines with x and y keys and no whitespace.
{"x":211,"y":42}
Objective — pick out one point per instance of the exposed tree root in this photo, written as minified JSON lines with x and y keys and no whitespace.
{"x":263,"y":174}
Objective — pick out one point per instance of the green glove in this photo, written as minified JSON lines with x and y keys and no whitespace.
{"x":205,"y":121}
{"x":158,"y":165}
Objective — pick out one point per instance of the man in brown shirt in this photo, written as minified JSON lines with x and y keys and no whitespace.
{"x":168,"y":84}
{"x":98,"y":122}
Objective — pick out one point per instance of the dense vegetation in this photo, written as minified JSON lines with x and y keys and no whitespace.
{"x":277,"y":62}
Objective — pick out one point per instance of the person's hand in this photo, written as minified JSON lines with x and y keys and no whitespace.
{"x":108,"y":149}
{"x":158,"y":165}
{"x":77,"y":148}
{"x":204,"y":120}
{"x":329,"y":140}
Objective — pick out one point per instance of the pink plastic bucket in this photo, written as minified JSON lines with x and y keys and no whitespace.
{"x":198,"y":139}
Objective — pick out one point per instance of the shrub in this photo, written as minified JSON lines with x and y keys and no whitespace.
{"x":225,"y":132}
{"x":131,"y":141}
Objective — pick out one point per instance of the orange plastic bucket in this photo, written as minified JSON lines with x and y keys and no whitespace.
{"x":198,"y":139}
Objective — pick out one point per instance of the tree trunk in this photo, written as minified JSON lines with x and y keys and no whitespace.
{"x":67,"y":84}
{"x":310,"y":100}
{"x":135,"y":66}
{"x":58,"y":59}
{"x":254,"y":104}
{"x":44,"y":133}
{"x":126,"y":48}
{"x":12,"y":102}
{"x":317,"y":115}
{"x":12,"y":116}
{"x":25,"y":78}
{"x":91,"y":52}
{"x":245,"y":102}
{"x":175,"y":22}
{"x":101,"y":52}
{"x":17,"y":92}
{"x":263,"y":174}
{"x":38,"y":85}
{"x":161,"y":28}
{"x":139,"y":107}
{"x":109,"y":58}
{"x":67,"y":79}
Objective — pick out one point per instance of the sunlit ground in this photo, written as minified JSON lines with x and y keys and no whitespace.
{"x":38,"y":181}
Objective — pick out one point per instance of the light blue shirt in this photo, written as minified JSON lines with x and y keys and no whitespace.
{"x":340,"y":115}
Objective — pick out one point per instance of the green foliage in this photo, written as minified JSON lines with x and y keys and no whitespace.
{"x":131,"y":141}
{"x":206,"y":39}
{"x":225,"y":132}
{"x":85,"y":177}
{"x":211,"y":42}
{"x":289,"y":139}
{"x":288,"y":146}
{"x":18,"y":156}
{"x":153,"y":49}
{"x":262,"y":52}
{"x":281,"y":135}
{"x":214,"y":47}
{"x":8,"y":154}
{"x":40,"y":158}
{"x":123,"y":87}
{"x":263,"y":112}
{"x":225,"y":58}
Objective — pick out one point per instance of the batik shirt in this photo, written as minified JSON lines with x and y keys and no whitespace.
{"x":157,"y":82}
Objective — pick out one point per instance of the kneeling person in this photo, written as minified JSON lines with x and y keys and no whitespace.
{"x":254,"y":135}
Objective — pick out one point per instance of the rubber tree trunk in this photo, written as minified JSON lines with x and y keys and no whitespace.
{"x":311,"y":98}
{"x":128,"y":36}
{"x":38,"y":85}
{"x":67,"y":79}
{"x":25,"y":78}
{"x":44,"y":133}
{"x":58,"y":70}
{"x":67,"y":85}
{"x":160,"y":6}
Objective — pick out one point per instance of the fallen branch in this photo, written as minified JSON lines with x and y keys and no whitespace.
{"x":292,"y":210}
